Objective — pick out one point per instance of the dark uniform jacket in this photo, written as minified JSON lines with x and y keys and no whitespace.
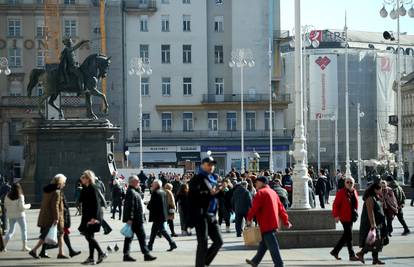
{"x":199,"y":198}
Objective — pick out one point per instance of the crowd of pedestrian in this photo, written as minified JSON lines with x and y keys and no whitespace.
{"x":206,"y":203}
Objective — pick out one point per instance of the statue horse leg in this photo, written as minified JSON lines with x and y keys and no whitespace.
{"x":52,"y":103}
{"x":95,"y":92}
{"x":41,"y":102}
{"x":89,"y":106}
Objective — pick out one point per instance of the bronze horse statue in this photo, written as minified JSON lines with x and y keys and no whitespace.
{"x":93,"y":69}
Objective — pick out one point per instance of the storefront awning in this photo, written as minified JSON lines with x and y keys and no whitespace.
{"x":190,"y":156}
{"x":162,"y":157}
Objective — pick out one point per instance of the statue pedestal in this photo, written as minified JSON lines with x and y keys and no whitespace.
{"x":68,"y":147}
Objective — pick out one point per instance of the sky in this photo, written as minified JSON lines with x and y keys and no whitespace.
{"x":330,"y":14}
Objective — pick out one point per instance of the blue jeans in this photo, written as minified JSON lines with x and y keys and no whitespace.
{"x":269,"y":242}
{"x":23,"y":228}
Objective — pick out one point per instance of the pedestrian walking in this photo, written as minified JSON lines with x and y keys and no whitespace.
{"x":158,"y":208}
{"x":320,"y":188}
{"x":389,"y":205}
{"x":117,"y":197}
{"x":203,"y":210}
{"x":340,"y":180}
{"x":92,"y":216}
{"x":134,"y":216}
{"x":51,"y":213}
{"x":241,"y":203}
{"x":224,"y":207}
{"x":183,"y":209}
{"x":412,"y":190}
{"x":268,"y":210}
{"x":4,"y":190}
{"x":372,"y":219}
{"x":171,"y":208}
{"x":280,"y":191}
{"x":143,"y":181}
{"x":16,"y":207}
{"x":345,"y":210}
{"x":329,"y":185}
{"x":400,"y":196}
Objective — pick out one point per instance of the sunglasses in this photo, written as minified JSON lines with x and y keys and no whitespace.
{"x":349,"y":182}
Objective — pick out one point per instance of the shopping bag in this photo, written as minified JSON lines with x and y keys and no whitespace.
{"x":252,"y":236}
{"x":232,"y":217}
{"x":51,"y":237}
{"x":127,"y":231}
{"x":371,"y":237}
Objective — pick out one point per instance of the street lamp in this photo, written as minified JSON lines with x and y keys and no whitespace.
{"x":242,"y":58}
{"x":140,"y":66}
{"x":126,"y":157}
{"x":334,"y":118}
{"x":4,"y":66}
{"x":300,"y":172}
{"x":347,"y":161}
{"x":359,"y":116}
{"x":397,"y":11}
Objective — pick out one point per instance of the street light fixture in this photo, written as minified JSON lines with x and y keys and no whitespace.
{"x":126,"y":157}
{"x":397,"y":11}
{"x":4,"y":66}
{"x":334,"y":118}
{"x":360,"y":115}
{"x":140,"y":66}
{"x":242,"y":58}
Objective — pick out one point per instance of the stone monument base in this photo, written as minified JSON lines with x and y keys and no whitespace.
{"x":311,"y":229}
{"x":68,"y":147}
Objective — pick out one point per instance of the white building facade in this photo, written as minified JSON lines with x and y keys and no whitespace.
{"x":191,"y":102}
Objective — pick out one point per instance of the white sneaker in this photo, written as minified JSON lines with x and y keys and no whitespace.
{"x":26,"y":249}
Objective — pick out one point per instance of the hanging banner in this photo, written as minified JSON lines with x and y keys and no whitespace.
{"x":323,"y":86}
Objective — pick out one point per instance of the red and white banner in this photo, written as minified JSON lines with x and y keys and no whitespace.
{"x":323,"y":86}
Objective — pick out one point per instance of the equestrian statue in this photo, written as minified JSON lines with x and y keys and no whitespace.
{"x":71,"y":78}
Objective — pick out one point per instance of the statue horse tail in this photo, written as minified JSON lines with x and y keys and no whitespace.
{"x":34,"y":79}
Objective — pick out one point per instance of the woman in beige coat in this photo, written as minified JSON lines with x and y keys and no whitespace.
{"x":51,"y":213}
{"x":171,"y":208}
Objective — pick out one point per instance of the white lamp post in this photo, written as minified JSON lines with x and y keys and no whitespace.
{"x":359,"y":116}
{"x":300,"y":172}
{"x":241,"y":58}
{"x":335,"y":120}
{"x":397,"y":11}
{"x":140,"y":66}
{"x":4,"y":66}
{"x":347,"y":161}
{"x":126,"y":157}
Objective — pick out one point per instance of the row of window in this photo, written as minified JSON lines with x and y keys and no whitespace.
{"x":187,"y":86}
{"x":40,"y":2}
{"x":15,"y":58}
{"x":15,"y":27}
{"x":213,"y":121}
{"x":165,"y":23}
{"x":186,"y":50}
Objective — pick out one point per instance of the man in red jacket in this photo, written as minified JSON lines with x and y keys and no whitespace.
{"x":267,"y":209}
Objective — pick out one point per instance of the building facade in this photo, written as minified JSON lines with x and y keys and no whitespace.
{"x":191,"y":102}
{"x":371,"y":76}
{"x":407,"y":91}
{"x":22,"y":41}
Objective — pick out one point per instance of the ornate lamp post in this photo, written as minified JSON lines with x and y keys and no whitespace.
{"x":300,"y":172}
{"x":140,"y":66}
{"x":397,"y":11}
{"x":360,"y":115}
{"x":4,"y":66}
{"x":126,"y":157}
{"x":241,"y":58}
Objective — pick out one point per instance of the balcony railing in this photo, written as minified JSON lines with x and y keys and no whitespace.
{"x":140,"y":6}
{"x":277,"y":133}
{"x":25,"y":101}
{"x":227,"y":98}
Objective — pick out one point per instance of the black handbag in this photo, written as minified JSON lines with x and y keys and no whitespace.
{"x":354,"y":215}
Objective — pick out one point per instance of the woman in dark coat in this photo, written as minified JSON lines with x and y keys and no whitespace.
{"x":91,"y":216}
{"x":183,"y":209}
{"x":372,"y":217}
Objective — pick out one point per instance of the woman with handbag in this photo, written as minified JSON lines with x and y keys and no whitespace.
{"x":345,"y":210}
{"x":171,"y":208}
{"x":15,"y":205}
{"x":51,"y":215}
{"x":389,"y":204}
{"x":91,"y":216}
{"x":372,"y":224}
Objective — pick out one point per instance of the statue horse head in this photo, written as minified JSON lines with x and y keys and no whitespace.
{"x":96,"y":65}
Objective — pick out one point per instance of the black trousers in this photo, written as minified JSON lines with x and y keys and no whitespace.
{"x":322,"y":200}
{"x":171,"y":226}
{"x":93,"y":244}
{"x":138,"y":229}
{"x":207,"y":228}
{"x":159,"y":227}
{"x":116,"y":204}
{"x":345,"y":239}
{"x":400,"y":217}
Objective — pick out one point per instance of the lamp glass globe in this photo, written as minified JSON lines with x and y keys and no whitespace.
{"x":402,"y":11}
{"x":7,"y":71}
{"x":411,"y":12}
{"x":383,"y":12}
{"x":393,"y":14}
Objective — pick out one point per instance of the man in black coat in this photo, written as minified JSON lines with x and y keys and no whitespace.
{"x":158,"y":207}
{"x":320,"y":187}
{"x":143,"y":181}
{"x":241,"y":203}
{"x":134,"y":216}
{"x":203,"y":209}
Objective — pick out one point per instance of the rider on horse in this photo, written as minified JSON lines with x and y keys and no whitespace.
{"x":68,"y":65}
